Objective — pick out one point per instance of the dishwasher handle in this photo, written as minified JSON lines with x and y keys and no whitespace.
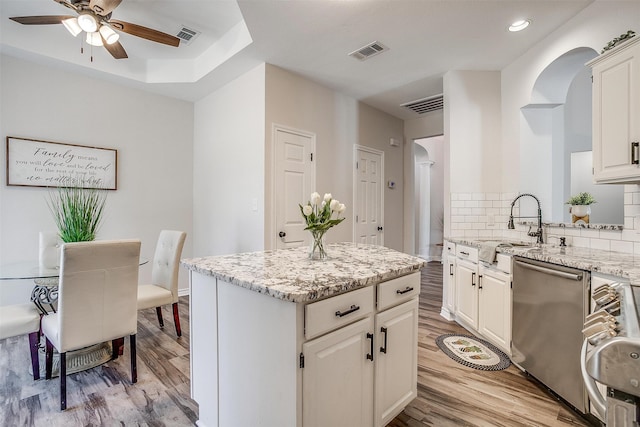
{"x":563,"y":274}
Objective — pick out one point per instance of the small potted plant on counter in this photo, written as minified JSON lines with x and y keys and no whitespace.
{"x":580,"y":206}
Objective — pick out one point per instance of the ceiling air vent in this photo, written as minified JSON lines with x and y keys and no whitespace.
{"x":368,"y":51}
{"x":187,"y":35}
{"x":425,"y":105}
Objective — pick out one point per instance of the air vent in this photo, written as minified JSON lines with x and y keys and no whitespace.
{"x":425,"y":105}
{"x":187,"y":35}
{"x":368,"y":51}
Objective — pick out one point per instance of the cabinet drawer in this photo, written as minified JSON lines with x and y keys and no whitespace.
{"x":467,"y":252}
{"x":450,"y":247}
{"x":332,"y":313}
{"x":504,"y":263}
{"x":398,"y":290}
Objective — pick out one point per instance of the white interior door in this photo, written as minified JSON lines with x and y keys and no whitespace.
{"x":369,"y":196}
{"x":293,"y":183}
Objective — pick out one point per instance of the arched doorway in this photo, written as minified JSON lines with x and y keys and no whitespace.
{"x":429,"y":197}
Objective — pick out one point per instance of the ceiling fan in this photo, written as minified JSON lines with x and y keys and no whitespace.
{"x":94,"y":18}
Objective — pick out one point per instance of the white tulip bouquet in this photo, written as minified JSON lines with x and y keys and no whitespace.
{"x":321,"y":214}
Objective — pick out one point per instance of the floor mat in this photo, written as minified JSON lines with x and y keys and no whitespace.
{"x":473,"y":352}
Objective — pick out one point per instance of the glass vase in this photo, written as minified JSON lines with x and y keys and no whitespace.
{"x":316,"y":249}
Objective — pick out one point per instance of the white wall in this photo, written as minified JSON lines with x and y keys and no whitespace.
{"x":153,"y":135}
{"x":593,"y":27}
{"x":228,"y":167}
{"x":375,"y":129}
{"x":473,"y":130}
{"x":295,"y":102}
{"x":339,"y":122}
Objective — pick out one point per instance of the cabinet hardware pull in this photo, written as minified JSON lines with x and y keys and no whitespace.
{"x":383,"y":349}
{"x":473,"y":279}
{"x":407,"y":289}
{"x":351,"y":310}
{"x":464,"y":253}
{"x":480,"y":281}
{"x":450,"y":269}
{"x":370,"y":355}
{"x":635,"y":147}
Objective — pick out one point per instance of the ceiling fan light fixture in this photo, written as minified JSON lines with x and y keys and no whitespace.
{"x":94,"y":39}
{"x":108,"y":34}
{"x":72,"y":26}
{"x":88,"y":22}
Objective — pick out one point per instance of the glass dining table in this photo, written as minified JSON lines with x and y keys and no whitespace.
{"x":44,"y":296}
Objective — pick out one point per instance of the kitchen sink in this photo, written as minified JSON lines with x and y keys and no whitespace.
{"x":509,"y":243}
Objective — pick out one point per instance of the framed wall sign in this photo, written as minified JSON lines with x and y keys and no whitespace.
{"x":35,"y":163}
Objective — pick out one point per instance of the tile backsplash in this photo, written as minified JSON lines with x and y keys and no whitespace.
{"x":485,"y":216}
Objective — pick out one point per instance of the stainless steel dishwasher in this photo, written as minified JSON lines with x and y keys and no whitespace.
{"x":550,"y":303}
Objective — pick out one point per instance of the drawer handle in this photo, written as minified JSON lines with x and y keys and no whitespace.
{"x":473,"y":279}
{"x":408,"y":289}
{"x":383,"y":349}
{"x":464,"y":253}
{"x":370,"y":355}
{"x":351,"y":310}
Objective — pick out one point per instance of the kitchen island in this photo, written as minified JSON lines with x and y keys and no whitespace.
{"x":281,"y":340}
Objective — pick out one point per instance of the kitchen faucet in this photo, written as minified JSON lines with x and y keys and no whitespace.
{"x":537,"y":233}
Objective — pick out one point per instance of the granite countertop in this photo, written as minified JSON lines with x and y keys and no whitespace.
{"x":289,"y":275}
{"x":600,"y":261}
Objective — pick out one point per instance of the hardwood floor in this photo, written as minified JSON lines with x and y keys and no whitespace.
{"x":449,"y":394}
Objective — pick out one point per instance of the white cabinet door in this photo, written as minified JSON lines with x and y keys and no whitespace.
{"x":467,"y":293}
{"x":616,"y":105}
{"x":397,"y":360}
{"x":451,"y":287}
{"x":337,"y":379}
{"x":448,"y":286}
{"x":494,"y":315}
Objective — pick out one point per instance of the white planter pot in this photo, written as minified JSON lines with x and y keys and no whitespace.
{"x":581,"y":210}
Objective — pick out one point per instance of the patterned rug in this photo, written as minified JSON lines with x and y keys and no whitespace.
{"x":473,"y":352}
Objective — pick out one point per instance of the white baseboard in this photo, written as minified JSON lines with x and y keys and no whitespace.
{"x":447,"y":314}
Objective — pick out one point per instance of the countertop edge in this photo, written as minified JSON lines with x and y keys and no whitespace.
{"x":612,"y":263}
{"x":311,"y":287}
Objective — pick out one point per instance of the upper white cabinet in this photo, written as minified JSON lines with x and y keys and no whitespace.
{"x":616,"y":114}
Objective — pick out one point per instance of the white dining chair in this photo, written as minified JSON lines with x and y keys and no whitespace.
{"x":96,"y":302}
{"x":163,"y":289}
{"x":21,"y":319}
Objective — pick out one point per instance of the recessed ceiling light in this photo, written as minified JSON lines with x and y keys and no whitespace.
{"x":519,"y":25}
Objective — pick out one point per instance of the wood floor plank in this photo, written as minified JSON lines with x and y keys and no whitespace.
{"x":449,"y":394}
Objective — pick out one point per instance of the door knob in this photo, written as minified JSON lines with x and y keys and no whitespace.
{"x":379,"y":228}
{"x":282,"y":234}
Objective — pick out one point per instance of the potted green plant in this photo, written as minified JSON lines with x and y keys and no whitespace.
{"x":580,"y":205}
{"x":77,"y":212}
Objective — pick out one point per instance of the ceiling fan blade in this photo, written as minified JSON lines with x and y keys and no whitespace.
{"x":66,"y":3}
{"x":145,"y":33}
{"x":103,"y":7}
{"x":115,"y":49}
{"x":41,"y":20}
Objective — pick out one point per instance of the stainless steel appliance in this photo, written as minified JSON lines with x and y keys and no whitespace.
{"x":611,"y":354}
{"x":550,"y":303}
